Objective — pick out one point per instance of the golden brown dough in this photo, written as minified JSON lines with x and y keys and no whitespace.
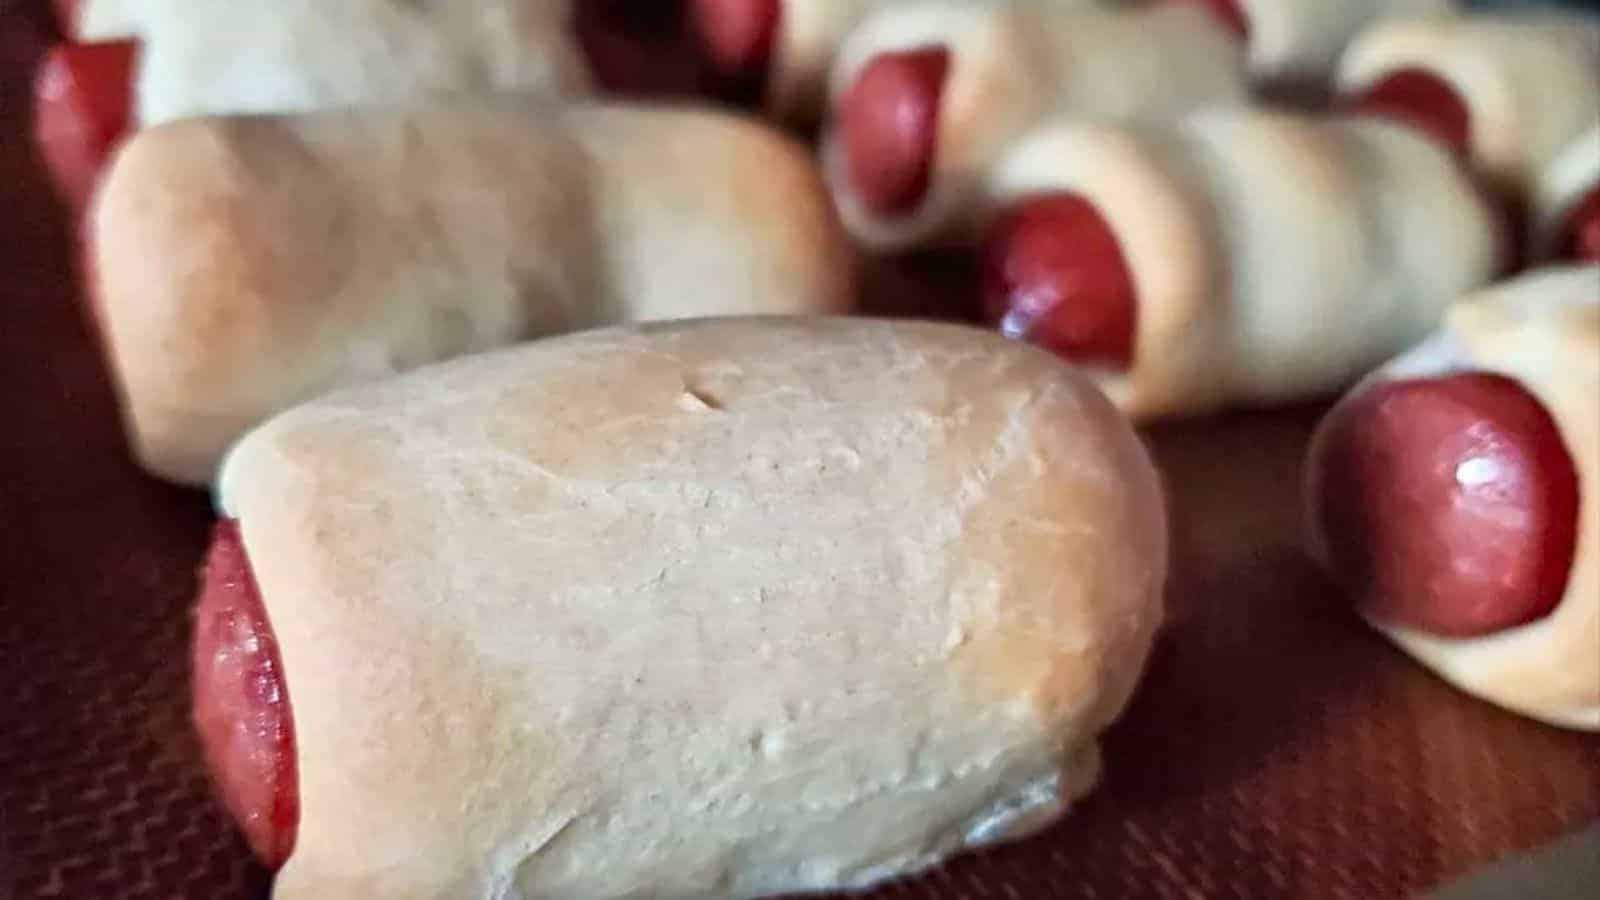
{"x":714,"y":609}
{"x":247,"y":264}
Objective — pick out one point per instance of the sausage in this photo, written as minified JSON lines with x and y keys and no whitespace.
{"x":1453,"y":491}
{"x":737,"y":39}
{"x":889,"y":124}
{"x":1449,"y":504}
{"x":1055,"y":275}
{"x":927,"y":96}
{"x":1579,"y":237}
{"x":499,"y":627}
{"x":1422,"y":100}
{"x":1273,"y":257}
{"x":83,"y":97}
{"x":241,"y":702}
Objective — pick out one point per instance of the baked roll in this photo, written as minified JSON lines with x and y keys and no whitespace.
{"x":241,"y":265}
{"x":1456,"y":493}
{"x":926,"y":95}
{"x":717,"y":609}
{"x":1231,"y":258}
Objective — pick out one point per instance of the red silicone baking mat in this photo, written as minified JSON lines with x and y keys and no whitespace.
{"x":1276,"y":749}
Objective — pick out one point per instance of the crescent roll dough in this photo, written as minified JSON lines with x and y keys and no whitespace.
{"x":1542,"y":329}
{"x":714,"y":609}
{"x":243,"y":265}
{"x":1273,"y":256}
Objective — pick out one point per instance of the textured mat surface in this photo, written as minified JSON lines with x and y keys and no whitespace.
{"x":1276,"y":749}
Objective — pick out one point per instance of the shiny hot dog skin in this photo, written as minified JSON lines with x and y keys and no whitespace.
{"x":1453,"y":492}
{"x":1449,"y":503}
{"x":82,"y":108}
{"x":241,"y":701}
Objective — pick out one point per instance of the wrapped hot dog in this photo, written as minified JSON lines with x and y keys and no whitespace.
{"x":717,"y":609}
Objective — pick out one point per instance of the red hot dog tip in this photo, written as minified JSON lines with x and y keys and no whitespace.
{"x":1448,"y":504}
{"x":1579,"y":239}
{"x":889,"y":124}
{"x":241,"y":704}
{"x":1422,"y":100}
{"x":1054,"y":275}
{"x":83,"y":95}
{"x":1227,"y":12}
{"x":737,"y":36}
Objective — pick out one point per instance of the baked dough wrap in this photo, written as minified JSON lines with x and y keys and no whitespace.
{"x":712,"y":609}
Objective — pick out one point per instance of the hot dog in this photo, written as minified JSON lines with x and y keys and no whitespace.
{"x":673,"y":607}
{"x":1232,"y":257}
{"x":1045,"y":254}
{"x":889,"y":157}
{"x":775,"y":54}
{"x":738,"y":35}
{"x":926,"y":95}
{"x":1511,"y":93}
{"x":1422,"y":100}
{"x":241,"y":703}
{"x":1449,"y":503}
{"x":1454,"y":494}
{"x":245,"y":264}
{"x":82,"y":111}
{"x":1566,"y":203}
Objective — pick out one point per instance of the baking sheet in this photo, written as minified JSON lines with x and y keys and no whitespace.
{"x":1276,"y":748}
